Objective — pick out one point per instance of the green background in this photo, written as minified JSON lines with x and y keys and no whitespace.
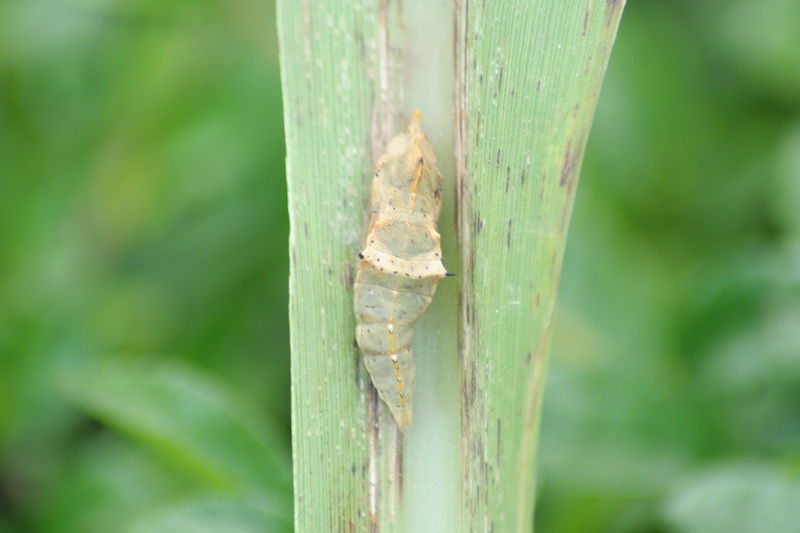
{"x":144,"y":381}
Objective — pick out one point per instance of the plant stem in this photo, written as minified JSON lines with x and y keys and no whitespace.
{"x":507,"y":91}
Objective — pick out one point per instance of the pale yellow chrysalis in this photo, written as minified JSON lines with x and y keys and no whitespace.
{"x":400,"y":266}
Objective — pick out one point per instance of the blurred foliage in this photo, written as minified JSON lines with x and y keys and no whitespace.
{"x":676,"y":365}
{"x":143,"y":271}
{"x":143,"y":267}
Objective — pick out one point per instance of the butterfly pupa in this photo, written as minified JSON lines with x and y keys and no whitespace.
{"x":400,"y":265}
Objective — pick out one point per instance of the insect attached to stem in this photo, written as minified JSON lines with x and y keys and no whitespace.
{"x":400,"y":265}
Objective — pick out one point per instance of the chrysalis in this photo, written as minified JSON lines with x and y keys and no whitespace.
{"x":400,"y":266}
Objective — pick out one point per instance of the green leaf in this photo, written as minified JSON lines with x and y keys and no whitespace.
{"x":508,"y":94}
{"x":106,"y":482}
{"x":188,"y":417}
{"x":742,"y":498}
{"x":212,"y":514}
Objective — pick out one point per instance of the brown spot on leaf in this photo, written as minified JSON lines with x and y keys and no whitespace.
{"x":373,"y":432}
{"x":568,"y":166}
{"x":477,"y":224}
{"x":399,"y":467}
{"x":572,"y":162}
{"x":586,"y":15}
{"x":348,"y":276}
{"x":612,"y":8}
